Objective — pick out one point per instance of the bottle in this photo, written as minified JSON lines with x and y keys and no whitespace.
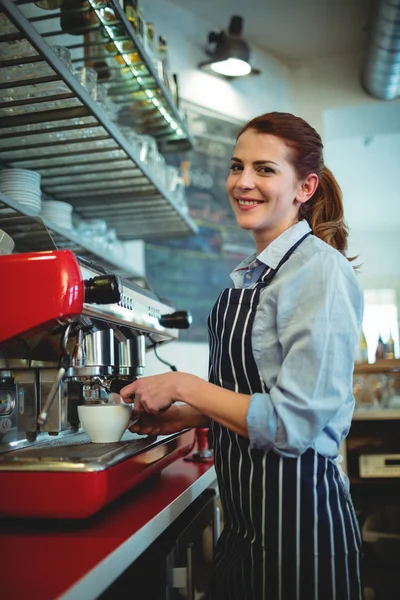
{"x":131,"y":11}
{"x":363,"y":348}
{"x":77,"y":17}
{"x":380,"y":349}
{"x":49,"y":4}
{"x":162,"y":63}
{"x":148,"y":39}
{"x":390,"y":347}
{"x":126,"y":46}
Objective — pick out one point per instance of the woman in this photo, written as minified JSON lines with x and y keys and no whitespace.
{"x":279,"y":396}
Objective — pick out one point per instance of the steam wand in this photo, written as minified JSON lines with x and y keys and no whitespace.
{"x":63,"y":368}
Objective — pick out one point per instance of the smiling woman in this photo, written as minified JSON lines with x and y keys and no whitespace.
{"x":265,"y":193}
{"x":279,"y":397}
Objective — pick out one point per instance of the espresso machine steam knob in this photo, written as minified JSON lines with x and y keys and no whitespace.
{"x":180,"y":319}
{"x":103,"y":289}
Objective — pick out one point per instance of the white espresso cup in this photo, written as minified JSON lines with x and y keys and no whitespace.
{"x":105,"y":423}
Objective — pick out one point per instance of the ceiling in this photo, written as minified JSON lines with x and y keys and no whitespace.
{"x":292,"y":30}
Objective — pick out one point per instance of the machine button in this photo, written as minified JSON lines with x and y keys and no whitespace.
{"x":103,"y":289}
{"x":180,"y":319}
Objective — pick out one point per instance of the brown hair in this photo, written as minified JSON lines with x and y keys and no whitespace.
{"x":324,"y":210}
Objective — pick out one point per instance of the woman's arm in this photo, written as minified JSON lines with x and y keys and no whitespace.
{"x":157,"y":392}
{"x":319,"y":311}
{"x":178,"y":417}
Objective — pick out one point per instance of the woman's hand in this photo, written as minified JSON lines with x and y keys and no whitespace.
{"x":153,"y":394}
{"x":161,"y":424}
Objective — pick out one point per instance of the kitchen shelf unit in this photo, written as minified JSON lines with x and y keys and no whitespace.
{"x":53,"y":126}
{"x":384,"y":365}
{"x":32,"y":233}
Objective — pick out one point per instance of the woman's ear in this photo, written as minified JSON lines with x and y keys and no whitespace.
{"x":307,"y":188}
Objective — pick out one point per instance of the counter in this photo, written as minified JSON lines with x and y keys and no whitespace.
{"x":76,"y":560}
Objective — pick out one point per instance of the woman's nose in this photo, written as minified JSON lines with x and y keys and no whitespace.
{"x":245,"y":181}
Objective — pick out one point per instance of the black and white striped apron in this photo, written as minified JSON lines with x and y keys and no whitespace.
{"x":290,"y":531}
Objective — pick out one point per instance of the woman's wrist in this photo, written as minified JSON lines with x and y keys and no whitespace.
{"x":184,"y":385}
{"x":191,"y":417}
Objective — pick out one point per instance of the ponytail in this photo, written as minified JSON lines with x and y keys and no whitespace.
{"x":324,"y":212}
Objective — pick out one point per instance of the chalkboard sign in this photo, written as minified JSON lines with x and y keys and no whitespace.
{"x":191,"y":272}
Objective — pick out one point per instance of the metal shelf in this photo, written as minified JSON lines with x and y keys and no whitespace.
{"x":135,"y":83}
{"x":32,"y":233}
{"x":81,"y":154}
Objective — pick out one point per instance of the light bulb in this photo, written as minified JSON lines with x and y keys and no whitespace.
{"x":231,"y":67}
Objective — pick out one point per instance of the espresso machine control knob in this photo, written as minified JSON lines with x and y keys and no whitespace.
{"x":103,"y":289}
{"x":177,"y":320}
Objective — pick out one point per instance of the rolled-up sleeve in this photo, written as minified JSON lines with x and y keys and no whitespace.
{"x":318,"y":314}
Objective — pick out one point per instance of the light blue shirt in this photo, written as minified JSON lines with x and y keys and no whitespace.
{"x":304,"y":337}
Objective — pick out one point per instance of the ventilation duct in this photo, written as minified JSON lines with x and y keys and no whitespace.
{"x":381,"y":69}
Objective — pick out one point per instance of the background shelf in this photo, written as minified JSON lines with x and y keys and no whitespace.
{"x":386,"y":365}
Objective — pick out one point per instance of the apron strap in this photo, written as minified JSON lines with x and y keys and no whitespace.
{"x":269,"y":274}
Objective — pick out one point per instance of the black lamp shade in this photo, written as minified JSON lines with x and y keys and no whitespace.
{"x":230,"y":47}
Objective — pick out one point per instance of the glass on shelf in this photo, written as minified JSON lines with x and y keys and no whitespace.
{"x":105,"y":102}
{"x":87,"y":77}
{"x":64,"y":55}
{"x":361,"y":394}
{"x":49,"y":4}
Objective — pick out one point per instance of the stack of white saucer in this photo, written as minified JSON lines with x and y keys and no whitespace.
{"x":59,"y":213}
{"x":23,"y":186}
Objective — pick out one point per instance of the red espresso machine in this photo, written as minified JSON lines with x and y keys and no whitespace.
{"x":69,"y":333}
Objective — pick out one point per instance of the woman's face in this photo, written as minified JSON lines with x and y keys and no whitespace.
{"x":263,"y":187}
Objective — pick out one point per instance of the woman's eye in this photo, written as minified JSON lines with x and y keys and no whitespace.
{"x":265,"y":170}
{"x":235,"y":167}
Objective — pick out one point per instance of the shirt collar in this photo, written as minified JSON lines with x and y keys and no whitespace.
{"x":273,"y":254}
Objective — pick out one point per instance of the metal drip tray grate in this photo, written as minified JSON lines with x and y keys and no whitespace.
{"x":77,"y":453}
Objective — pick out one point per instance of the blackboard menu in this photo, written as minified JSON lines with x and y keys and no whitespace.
{"x":191,"y":272}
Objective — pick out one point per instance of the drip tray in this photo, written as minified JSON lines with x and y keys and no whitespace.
{"x":76,"y":453}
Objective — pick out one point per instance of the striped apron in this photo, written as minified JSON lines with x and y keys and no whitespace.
{"x":290,"y":530}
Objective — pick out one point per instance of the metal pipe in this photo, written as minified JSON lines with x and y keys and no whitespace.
{"x":380,"y":74}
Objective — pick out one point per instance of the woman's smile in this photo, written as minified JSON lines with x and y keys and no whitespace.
{"x":245,"y":203}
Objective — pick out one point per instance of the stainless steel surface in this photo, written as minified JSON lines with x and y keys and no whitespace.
{"x":138,"y":309}
{"x":131,"y":355}
{"x":99,"y":348}
{"x":52,"y":388}
{"x":381,"y":67}
{"x":135,"y":204}
{"x":76,"y":453}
